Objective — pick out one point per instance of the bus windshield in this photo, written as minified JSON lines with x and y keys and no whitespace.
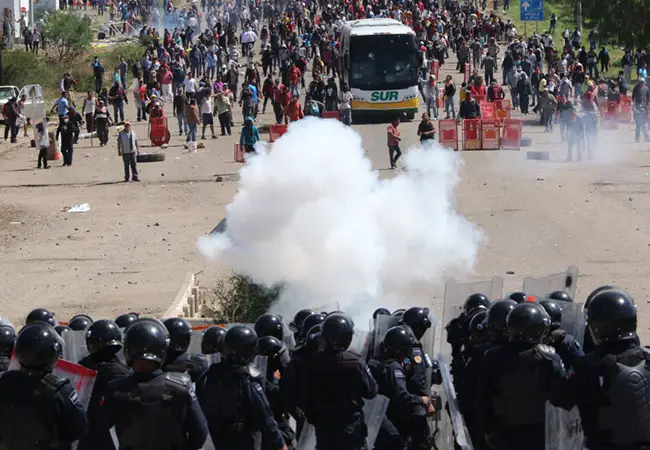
{"x":382,"y":62}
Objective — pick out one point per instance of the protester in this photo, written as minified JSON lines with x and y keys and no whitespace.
{"x":426,"y":129}
{"x":393,"y":140}
{"x":249,"y":136}
{"x":42,"y":143}
{"x":128,"y":148}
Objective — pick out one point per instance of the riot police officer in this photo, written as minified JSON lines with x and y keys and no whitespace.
{"x":124,"y":320}
{"x":560,"y":296}
{"x":516,"y":382}
{"x":333,"y":387}
{"x":7,"y":341}
{"x":149,"y":408}
{"x":103,"y":340}
{"x":296,"y":325}
{"x":212,"y":340}
{"x":418,"y":363}
{"x":610,"y":385}
{"x":80,"y":322}
{"x":406,"y":410}
{"x":269,"y":325}
{"x":564,"y":343}
{"x":519,"y":297}
{"x":41,"y":315}
{"x":233,"y":398}
{"x":496,"y":320}
{"x":38,"y":409}
{"x":310,"y":321}
{"x":384,"y":313}
{"x":588,"y":344}
{"x":458,"y":333}
{"x":177,"y":359}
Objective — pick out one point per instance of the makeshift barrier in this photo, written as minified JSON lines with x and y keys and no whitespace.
{"x":331,"y":115}
{"x":480,"y":99}
{"x":625,"y":110}
{"x":472,"y":134}
{"x":487,"y":110}
{"x":512,"y":131}
{"x":490,"y":134}
{"x":448,"y":132}
{"x":276,"y":131}
{"x":434,"y":69}
{"x":239,"y":153}
{"x":502,"y":109}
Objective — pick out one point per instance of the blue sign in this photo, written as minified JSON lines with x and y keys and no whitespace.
{"x":531,"y":10}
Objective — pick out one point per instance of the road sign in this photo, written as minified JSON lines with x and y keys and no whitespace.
{"x":531,"y":10}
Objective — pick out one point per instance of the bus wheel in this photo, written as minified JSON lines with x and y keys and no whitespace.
{"x":410,"y":115}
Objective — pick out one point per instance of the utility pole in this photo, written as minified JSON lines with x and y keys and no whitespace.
{"x":579,"y":15}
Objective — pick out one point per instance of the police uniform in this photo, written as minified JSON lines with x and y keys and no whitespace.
{"x":332,"y":390}
{"x":4,"y":363}
{"x":107,"y":371}
{"x":280,"y":413}
{"x":457,"y":337}
{"x":566,"y":347}
{"x":467,"y":390}
{"x":512,"y":394}
{"x":610,"y":388}
{"x":191,"y":364}
{"x":154,"y":410}
{"x":235,"y":407}
{"x":39,"y":412}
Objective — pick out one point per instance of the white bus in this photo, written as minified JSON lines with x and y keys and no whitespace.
{"x":381,"y":63}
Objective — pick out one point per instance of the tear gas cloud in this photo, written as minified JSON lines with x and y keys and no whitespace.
{"x":314,"y":215}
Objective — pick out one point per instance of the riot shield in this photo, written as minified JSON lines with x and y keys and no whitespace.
{"x":195,"y":342}
{"x":214,"y":358}
{"x":564,"y":281}
{"x":74,"y":346}
{"x":573,"y":319}
{"x":382,"y":325}
{"x":455,"y":296}
{"x":259,"y":366}
{"x":360,"y":342}
{"x":374,"y":412}
{"x":287,"y":335}
{"x":307,"y":440}
{"x":563,"y":429}
{"x":451,"y":431}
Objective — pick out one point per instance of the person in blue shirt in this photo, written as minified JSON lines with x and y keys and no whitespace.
{"x":254,"y":99}
{"x":249,"y":136}
{"x":62,"y":105}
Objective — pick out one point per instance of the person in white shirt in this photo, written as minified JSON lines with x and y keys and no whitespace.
{"x":88,"y":111}
{"x":206,"y":116}
{"x":190,"y":85}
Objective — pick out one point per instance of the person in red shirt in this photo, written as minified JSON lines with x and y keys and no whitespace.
{"x":294,"y":80}
{"x":393,"y":140}
{"x":478,"y":88}
{"x":278,"y":101}
{"x":293,"y":112}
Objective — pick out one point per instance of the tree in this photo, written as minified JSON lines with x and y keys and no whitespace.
{"x":620,"y":21}
{"x":239,"y":300}
{"x":69,"y":34}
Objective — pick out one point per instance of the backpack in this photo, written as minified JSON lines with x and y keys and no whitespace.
{"x":314,"y":110}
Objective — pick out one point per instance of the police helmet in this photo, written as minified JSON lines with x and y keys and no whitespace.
{"x":554,"y":312}
{"x":417,"y":320}
{"x":269,"y":325}
{"x":124,"y":320}
{"x":80,"y":322}
{"x":212,"y":340}
{"x":496,"y":318}
{"x":519,"y":297}
{"x":240,"y":344}
{"x":300,"y":316}
{"x":269,"y":346}
{"x":7,"y":340}
{"x":338,"y":331}
{"x":474,"y":301}
{"x":103,"y":334}
{"x":309,"y":322}
{"x":38,"y":347}
{"x":478,"y":331}
{"x":596,"y":292}
{"x":398,"y":342}
{"x":41,"y":315}
{"x":380,"y":312}
{"x":146,"y":339}
{"x":398,"y":313}
{"x":528,"y":323}
{"x":180,"y":334}
{"x":611,"y":317}
{"x":62,"y":329}
{"x":560,"y":296}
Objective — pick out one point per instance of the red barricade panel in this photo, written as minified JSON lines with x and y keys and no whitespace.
{"x":331,"y":115}
{"x":239,"y":153}
{"x":276,"y":131}
{"x":490,"y":131}
{"x":472,"y":134}
{"x":512,"y":129}
{"x":448,"y":132}
{"x":487,"y":111}
{"x":625,"y":112}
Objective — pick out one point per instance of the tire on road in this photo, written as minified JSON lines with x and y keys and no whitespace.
{"x":150,"y":157}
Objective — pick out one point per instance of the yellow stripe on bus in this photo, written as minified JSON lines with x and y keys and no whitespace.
{"x":404,"y":104}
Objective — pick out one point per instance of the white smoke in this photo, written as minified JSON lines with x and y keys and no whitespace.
{"x":313,"y":214}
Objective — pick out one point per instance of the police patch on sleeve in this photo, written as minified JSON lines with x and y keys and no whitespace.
{"x":74,"y":398}
{"x":258,"y":388}
{"x":399,"y":373}
{"x":192,"y":391}
{"x":417,"y":359}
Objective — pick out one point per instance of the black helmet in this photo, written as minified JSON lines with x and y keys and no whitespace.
{"x":300,"y":316}
{"x":496,"y":318}
{"x":180,"y":334}
{"x":103,"y":334}
{"x":38,"y":347}
{"x":338,"y":330}
{"x":212,"y":340}
{"x":611,"y":316}
{"x":80,"y":322}
{"x":417,"y":320}
{"x":528,"y":322}
{"x":269,"y":346}
{"x":240,"y":344}
{"x":7,"y":340}
{"x":560,"y":296}
{"x":62,"y":329}
{"x":474,"y":301}
{"x":596,"y":292}
{"x":41,"y":315}
{"x":478,"y":330}
{"x":380,"y":312}
{"x":309,"y":322}
{"x":314,"y":338}
{"x":554,"y":313}
{"x":269,"y":325}
{"x":146,"y":339}
{"x":398,"y":313}
{"x":519,"y":297}
{"x":124,"y":320}
{"x":399,"y":341}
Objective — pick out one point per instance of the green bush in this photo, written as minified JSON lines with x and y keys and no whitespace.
{"x":69,"y":35}
{"x":239,"y":300}
{"x":21,"y":68}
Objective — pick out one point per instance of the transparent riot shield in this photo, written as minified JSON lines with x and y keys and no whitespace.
{"x":374,"y":412}
{"x":259,"y":366}
{"x":451,"y":431}
{"x":307,"y":440}
{"x":214,"y":358}
{"x":360,"y":342}
{"x":428,"y":342}
{"x":563,"y":429}
{"x":455,"y":296}
{"x":287,"y":335}
{"x":195,"y":341}
{"x":382,"y":325}
{"x":564,"y":281}
{"x":573,"y":319}
{"x":74,"y":345}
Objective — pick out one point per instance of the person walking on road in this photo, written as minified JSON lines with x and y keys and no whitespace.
{"x":640,"y":100}
{"x":128,"y":148}
{"x":393,"y":140}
